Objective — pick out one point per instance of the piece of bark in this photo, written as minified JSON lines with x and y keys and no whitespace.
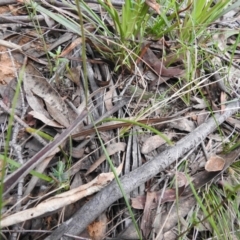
{"x":111,"y":193}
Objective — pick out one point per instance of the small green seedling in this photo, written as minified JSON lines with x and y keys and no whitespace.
{"x":58,"y":174}
{"x":57,"y":59}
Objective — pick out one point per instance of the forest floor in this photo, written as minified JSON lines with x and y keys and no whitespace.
{"x":119,"y":120}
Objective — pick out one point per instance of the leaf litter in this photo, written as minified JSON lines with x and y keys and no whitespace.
{"x":53,"y":93}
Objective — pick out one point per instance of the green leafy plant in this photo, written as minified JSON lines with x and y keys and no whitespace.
{"x":13,"y":165}
{"x":233,"y":144}
{"x":197,"y":17}
{"x":58,"y":173}
{"x":201,"y":15}
{"x":141,"y":125}
{"x":130,"y":23}
{"x":129,"y":28}
{"x":57,"y":58}
{"x":218,"y":205}
{"x":188,"y":22}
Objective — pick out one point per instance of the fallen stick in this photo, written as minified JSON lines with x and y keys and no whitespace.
{"x":92,"y":209}
{"x":61,"y":200}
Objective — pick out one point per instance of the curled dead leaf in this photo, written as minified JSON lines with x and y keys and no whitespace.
{"x":111,"y":149}
{"x":154,"y":142}
{"x":215,"y":164}
{"x":154,"y":5}
{"x":102,"y":83}
{"x":181,"y":179}
{"x":151,"y":59}
{"x":97,"y":229}
{"x":44,"y":119}
{"x":183,"y":125}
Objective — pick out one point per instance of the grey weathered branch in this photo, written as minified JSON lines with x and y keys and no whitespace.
{"x":111,"y":193}
{"x":20,"y":19}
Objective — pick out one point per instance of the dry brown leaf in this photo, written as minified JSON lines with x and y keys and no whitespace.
{"x":214,"y":164}
{"x":204,"y":177}
{"x":183,"y":125}
{"x":35,"y":102}
{"x":111,"y":149}
{"x":170,"y":235}
{"x":154,"y":5}
{"x":75,"y":43}
{"x":201,"y":104}
{"x":56,"y":113}
{"x":7,"y":70}
{"x":97,"y":229}
{"x":44,"y":119}
{"x":147,"y":219}
{"x":108,"y":98}
{"x":36,"y":85}
{"x":74,"y":75}
{"x":138,"y":202}
{"x":158,"y":66}
{"x":8,"y":94}
{"x":52,"y":204}
{"x":116,"y":124}
{"x":181,"y":179}
{"x":169,"y":195}
{"x":154,"y":142}
{"x":5,"y":9}
{"x":234,"y":122}
{"x":202,"y":117}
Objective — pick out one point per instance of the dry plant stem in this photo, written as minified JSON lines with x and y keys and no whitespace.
{"x":61,"y":200}
{"x":59,"y":3}
{"x":114,"y":2}
{"x":20,"y":19}
{"x":129,"y":182}
{"x":7,"y":2}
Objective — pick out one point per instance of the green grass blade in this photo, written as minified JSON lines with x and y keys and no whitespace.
{"x":68,"y":23}
{"x":140,"y":125}
{"x":33,"y":173}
